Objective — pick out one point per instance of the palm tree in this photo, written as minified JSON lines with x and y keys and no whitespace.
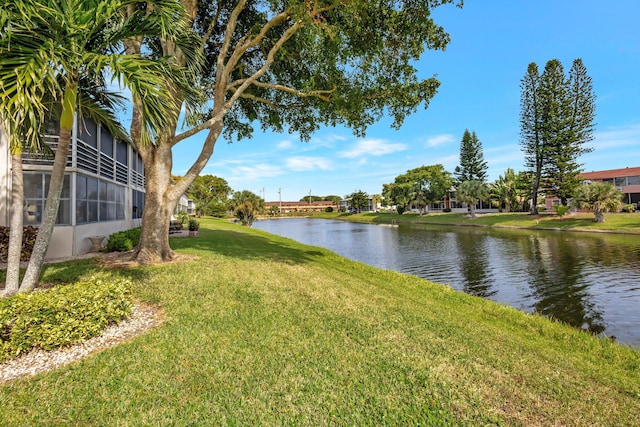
{"x":470,"y":192}
{"x":504,"y":190}
{"x":598,"y":198}
{"x":50,"y":49}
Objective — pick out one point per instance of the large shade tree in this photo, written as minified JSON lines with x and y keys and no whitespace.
{"x":419,"y":187}
{"x":55,"y":59}
{"x":287,"y":65}
{"x":208,"y":190}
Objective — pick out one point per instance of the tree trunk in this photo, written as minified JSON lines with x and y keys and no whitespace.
{"x":534,"y":194}
{"x":50,"y":214}
{"x":158,"y":208}
{"x":12,"y":280}
{"x":599,"y":216}
{"x":472,"y":209}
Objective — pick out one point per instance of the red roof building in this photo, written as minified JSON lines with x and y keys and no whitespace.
{"x":626,"y":180}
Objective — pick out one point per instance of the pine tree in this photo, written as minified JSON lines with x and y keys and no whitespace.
{"x":562,"y":173}
{"x":472,"y":167}
{"x":556,"y":121}
{"x":530,"y":130}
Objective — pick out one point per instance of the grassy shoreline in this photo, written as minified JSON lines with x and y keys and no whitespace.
{"x":262,"y":330}
{"x":579,"y":222}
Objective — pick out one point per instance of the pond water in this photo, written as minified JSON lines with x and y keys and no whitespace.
{"x":591,"y":281}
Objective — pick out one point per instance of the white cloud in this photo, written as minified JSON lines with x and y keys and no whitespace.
{"x":372,"y":147}
{"x":434,"y":141}
{"x":617,"y":137}
{"x":285,"y":144}
{"x":256,"y":172}
{"x":303,"y":163}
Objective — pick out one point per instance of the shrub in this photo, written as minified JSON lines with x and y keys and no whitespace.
{"x":628,"y":208}
{"x":328,"y":209}
{"x":123,"y":241}
{"x":561,"y":210}
{"x":61,"y":316}
{"x":446,"y":210}
{"x":400,"y":210}
{"x":193,"y":225}
{"x":182,"y":217}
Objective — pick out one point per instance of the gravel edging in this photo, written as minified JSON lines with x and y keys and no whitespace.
{"x":143,"y":317}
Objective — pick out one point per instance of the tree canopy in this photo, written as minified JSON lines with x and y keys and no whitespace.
{"x":293,"y":66}
{"x":207,"y":192}
{"x":420,"y":187}
{"x":358,"y":200}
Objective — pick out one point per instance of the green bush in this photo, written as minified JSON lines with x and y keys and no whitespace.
{"x":328,"y":209}
{"x":123,"y":241}
{"x":61,"y":316}
{"x":561,"y":210}
{"x":182,"y":217}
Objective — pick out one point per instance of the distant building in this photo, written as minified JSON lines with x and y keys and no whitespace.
{"x":314,"y":206}
{"x":626,"y":180}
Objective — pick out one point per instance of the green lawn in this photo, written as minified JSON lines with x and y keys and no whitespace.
{"x":614,"y":222}
{"x":261,"y":330}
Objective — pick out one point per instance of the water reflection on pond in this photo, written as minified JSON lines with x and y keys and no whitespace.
{"x":591,"y":281}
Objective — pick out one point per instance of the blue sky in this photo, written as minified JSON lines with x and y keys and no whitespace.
{"x":493,"y":41}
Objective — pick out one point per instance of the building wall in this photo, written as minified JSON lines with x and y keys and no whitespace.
{"x":116,"y":201}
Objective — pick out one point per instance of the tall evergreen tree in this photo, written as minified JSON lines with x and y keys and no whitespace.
{"x":472,"y":167}
{"x":562,"y":172}
{"x":556,"y":121}
{"x":530,"y":130}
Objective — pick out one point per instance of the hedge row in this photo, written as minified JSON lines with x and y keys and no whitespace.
{"x":61,"y":316}
{"x":28,"y":239}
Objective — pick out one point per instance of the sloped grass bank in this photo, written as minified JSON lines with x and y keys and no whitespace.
{"x":262,"y":330}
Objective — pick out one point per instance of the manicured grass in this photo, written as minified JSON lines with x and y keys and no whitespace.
{"x":262,"y":330}
{"x":614,"y":222}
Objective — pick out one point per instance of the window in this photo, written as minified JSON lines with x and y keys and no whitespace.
{"x":106,"y":142}
{"x":121,"y":152}
{"x":98,"y":200}
{"x":88,"y":132}
{"x":36,"y":185}
{"x":633,"y":180}
{"x":620,"y":182}
{"x":137,"y":198}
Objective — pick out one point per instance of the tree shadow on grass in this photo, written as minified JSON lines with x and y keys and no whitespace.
{"x":247,"y":246}
{"x":73,"y":271}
